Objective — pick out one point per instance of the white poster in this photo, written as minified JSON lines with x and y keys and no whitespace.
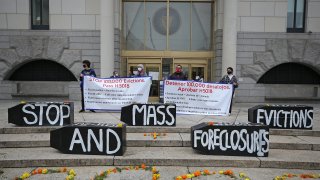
{"x":198,"y":98}
{"x":114,"y":93}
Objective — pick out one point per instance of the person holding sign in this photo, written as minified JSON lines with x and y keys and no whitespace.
{"x":178,"y":74}
{"x":115,"y":75}
{"x":140,"y":72}
{"x":230,"y":79}
{"x":87,"y":71}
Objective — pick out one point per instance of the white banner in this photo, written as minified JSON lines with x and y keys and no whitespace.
{"x":114,"y":93}
{"x":198,"y":98}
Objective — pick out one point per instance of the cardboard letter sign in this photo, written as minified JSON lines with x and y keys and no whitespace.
{"x":90,"y":138}
{"x":149,"y":114}
{"x":41,"y":114}
{"x":282,"y":116}
{"x":231,"y":139}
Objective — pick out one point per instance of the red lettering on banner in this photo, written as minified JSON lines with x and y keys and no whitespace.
{"x":175,"y":83}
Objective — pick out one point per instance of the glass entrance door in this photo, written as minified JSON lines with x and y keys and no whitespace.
{"x":194,"y":69}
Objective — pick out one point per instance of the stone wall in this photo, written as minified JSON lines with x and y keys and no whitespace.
{"x":66,"y":47}
{"x":259,"y":52}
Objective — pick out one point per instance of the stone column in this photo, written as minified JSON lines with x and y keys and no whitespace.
{"x":229,"y":41}
{"x":107,"y":38}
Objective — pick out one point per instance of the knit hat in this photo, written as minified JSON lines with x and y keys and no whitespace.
{"x":140,"y":65}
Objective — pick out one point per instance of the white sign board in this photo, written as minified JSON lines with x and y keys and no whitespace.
{"x":114,"y":93}
{"x":198,"y":98}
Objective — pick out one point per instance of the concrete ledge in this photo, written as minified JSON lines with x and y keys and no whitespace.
{"x":37,"y":157}
{"x":180,"y":156}
{"x":170,"y":140}
{"x":291,"y":159}
{"x":160,"y":156}
{"x":274,"y":98}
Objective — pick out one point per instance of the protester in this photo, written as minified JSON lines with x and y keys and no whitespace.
{"x":230,"y":79}
{"x":140,"y":72}
{"x":115,"y":75}
{"x":87,"y":71}
{"x":198,"y":79}
{"x":178,"y":74}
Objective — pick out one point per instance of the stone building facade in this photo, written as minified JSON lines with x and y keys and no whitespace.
{"x":262,"y":43}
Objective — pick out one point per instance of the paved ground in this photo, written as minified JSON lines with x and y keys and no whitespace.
{"x":308,"y":141}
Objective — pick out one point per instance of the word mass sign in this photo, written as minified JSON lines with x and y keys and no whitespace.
{"x":90,"y":138}
{"x":42,"y":114}
{"x":149,"y":114}
{"x":282,"y":116}
{"x":231,"y":140}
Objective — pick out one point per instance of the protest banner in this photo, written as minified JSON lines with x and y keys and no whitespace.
{"x":198,"y":98}
{"x":114,"y":93}
{"x":282,"y":116}
{"x":231,"y":139}
{"x":90,"y":138}
{"x":41,"y":114}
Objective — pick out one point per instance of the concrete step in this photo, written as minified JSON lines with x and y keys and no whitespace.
{"x":166,"y":173}
{"x":164,"y":140}
{"x":157,"y":156}
{"x":178,"y":129}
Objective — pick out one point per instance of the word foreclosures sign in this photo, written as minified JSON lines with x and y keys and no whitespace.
{"x":282,"y":116}
{"x":232,"y":140}
{"x":90,"y":138}
{"x":41,"y":114}
{"x":149,"y":115}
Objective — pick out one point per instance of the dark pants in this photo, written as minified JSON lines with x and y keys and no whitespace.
{"x":82,"y":100}
{"x":231,"y":101}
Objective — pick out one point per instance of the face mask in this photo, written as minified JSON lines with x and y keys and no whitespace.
{"x":116,"y":74}
{"x":139,"y":69}
{"x":178,"y":70}
{"x":229,"y":72}
{"x":84,"y":66}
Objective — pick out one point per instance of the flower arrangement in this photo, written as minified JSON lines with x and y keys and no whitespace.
{"x":70,"y":173}
{"x":302,"y":176}
{"x":104,"y":174}
{"x":206,"y":172}
{"x":154,"y":134}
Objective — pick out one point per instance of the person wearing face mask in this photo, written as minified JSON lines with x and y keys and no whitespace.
{"x":87,"y":71}
{"x":115,"y":75}
{"x":230,"y":79}
{"x":178,"y":74}
{"x":140,"y":72}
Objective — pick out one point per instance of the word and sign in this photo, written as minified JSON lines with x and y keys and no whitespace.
{"x":232,"y":140}
{"x":282,"y":116}
{"x":198,"y":98}
{"x":90,"y":138}
{"x":41,"y":114}
{"x":149,"y":115}
{"x":114,"y":93}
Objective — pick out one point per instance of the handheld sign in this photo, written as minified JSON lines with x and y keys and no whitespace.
{"x":41,"y":114}
{"x":90,"y":138}
{"x":149,"y":114}
{"x":231,"y":140}
{"x":282,"y":116}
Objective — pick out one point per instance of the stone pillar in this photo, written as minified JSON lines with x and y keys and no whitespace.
{"x":229,"y":42}
{"x":107,"y":38}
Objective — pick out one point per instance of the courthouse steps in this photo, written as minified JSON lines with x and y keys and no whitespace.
{"x":167,"y":140}
{"x":158,"y":156}
{"x":150,"y":129}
